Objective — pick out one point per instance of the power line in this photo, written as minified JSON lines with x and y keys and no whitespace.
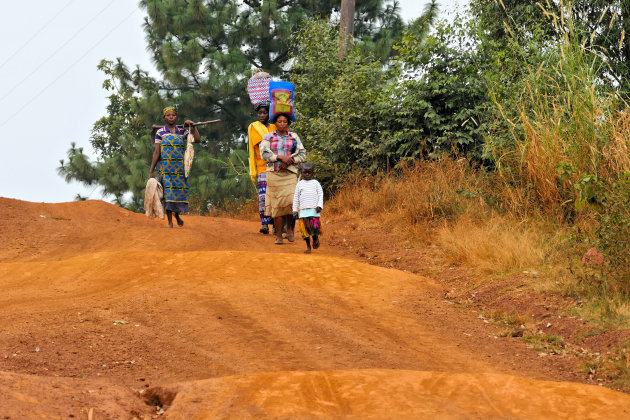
{"x":55,"y":52}
{"x":74,"y":63}
{"x":34,"y":36}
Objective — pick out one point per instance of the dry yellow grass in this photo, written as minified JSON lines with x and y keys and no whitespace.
{"x":426,"y":191}
{"x":447,"y":202}
{"x":494,"y":244}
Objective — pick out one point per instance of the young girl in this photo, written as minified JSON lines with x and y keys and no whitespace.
{"x":308,"y":202}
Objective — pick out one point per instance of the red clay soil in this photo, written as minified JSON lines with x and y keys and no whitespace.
{"x":107,"y":315}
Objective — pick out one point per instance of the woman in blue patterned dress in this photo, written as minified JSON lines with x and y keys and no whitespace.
{"x":170,"y":145}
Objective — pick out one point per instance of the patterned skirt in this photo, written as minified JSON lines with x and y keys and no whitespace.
{"x":172,"y":174}
{"x":309,"y":226}
{"x":262,"y":192}
{"x":280,"y":191}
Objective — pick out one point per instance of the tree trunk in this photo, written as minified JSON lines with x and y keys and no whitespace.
{"x":346,"y":27}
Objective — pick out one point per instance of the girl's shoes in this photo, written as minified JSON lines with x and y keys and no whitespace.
{"x":264,"y":230}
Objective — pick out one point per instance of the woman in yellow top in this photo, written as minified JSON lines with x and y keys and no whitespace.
{"x":257,"y":165}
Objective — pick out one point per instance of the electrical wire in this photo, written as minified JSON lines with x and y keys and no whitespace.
{"x":35,"y":35}
{"x":75,"y":62}
{"x":55,"y":52}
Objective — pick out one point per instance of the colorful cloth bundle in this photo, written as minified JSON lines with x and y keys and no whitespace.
{"x":258,"y":87}
{"x":281,"y":94}
{"x":189,"y":154}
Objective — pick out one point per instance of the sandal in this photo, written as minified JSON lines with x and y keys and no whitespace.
{"x":278,"y":242}
{"x":290,"y":237}
{"x":264,"y":230}
{"x":316,"y":242}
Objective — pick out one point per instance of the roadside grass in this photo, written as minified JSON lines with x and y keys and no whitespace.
{"x":549,"y":343}
{"x":506,"y":319}
{"x":494,"y":244}
{"x":454,"y":206}
{"x":606,"y":309}
{"x":615,"y":367}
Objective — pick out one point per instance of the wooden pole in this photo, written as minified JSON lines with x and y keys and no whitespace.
{"x":197,"y":124}
{"x":346,"y":27}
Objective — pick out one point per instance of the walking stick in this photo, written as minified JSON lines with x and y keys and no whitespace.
{"x":155,"y":127}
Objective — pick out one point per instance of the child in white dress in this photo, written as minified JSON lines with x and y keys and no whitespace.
{"x":308,"y":203}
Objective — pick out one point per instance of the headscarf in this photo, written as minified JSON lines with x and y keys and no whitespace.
{"x":170,"y":109}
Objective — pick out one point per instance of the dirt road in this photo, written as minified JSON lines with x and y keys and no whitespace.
{"x":107,"y":314}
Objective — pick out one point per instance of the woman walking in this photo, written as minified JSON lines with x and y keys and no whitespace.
{"x":170,"y":145}
{"x":282,"y":150}
{"x":257,"y":165}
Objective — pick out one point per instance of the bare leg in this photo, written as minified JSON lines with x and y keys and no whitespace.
{"x":315,"y":242}
{"x":277,"y":221}
{"x":169,"y":216}
{"x":290,"y":233}
{"x":180,"y":222}
{"x":308,"y":245}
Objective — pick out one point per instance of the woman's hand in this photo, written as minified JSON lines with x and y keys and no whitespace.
{"x":318,"y":209}
{"x":188,"y":122}
{"x":151,"y":175}
{"x":287,"y":160}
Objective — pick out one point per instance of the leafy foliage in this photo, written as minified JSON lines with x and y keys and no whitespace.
{"x":443,"y":94}
{"x":356,"y":113}
{"x":600,"y":25}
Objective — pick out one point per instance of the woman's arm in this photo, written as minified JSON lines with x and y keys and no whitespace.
{"x":300,"y":152}
{"x":265,"y":151}
{"x":156,"y":157}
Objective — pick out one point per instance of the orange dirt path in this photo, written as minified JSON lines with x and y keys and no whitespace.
{"x":218,"y":322}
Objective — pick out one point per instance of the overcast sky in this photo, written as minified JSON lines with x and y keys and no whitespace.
{"x":51,"y":92}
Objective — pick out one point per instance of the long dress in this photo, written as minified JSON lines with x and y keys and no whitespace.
{"x":257,"y":165}
{"x":171,"y":170}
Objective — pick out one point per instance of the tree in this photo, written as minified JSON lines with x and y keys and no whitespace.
{"x":346,"y":26}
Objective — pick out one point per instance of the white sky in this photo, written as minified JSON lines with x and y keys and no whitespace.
{"x":51,"y":91}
